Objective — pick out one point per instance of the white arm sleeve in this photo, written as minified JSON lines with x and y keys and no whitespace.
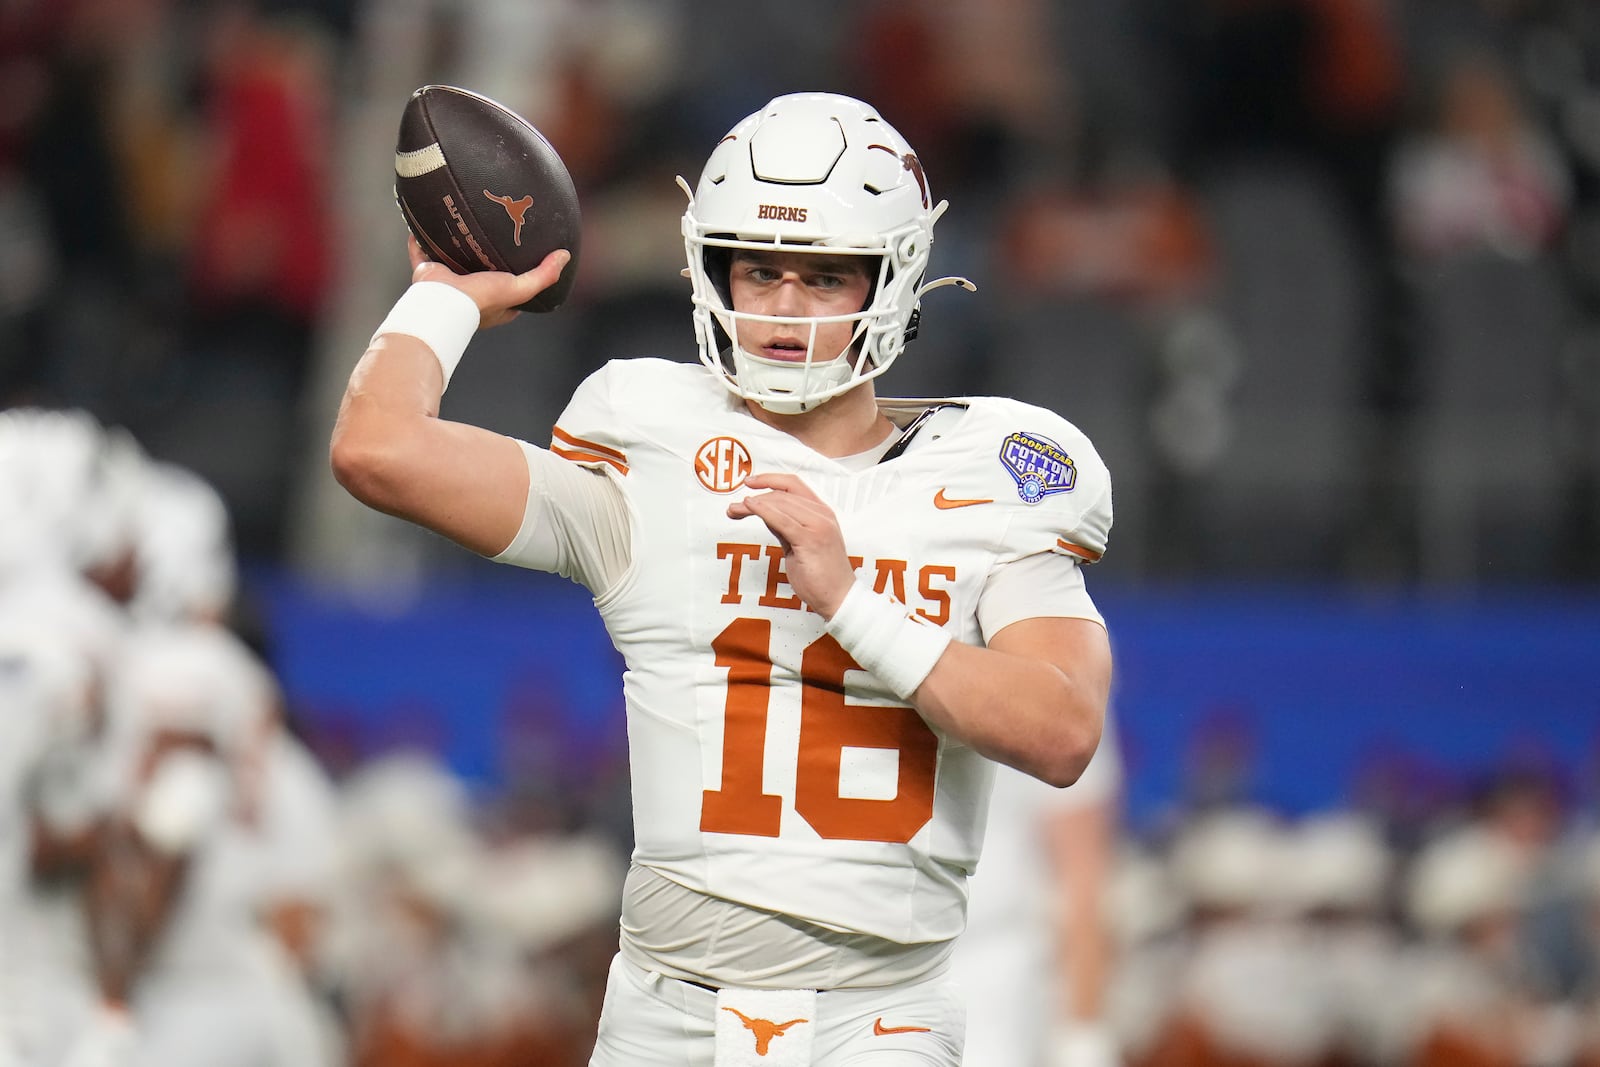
{"x":1043,"y":585}
{"x":576,"y":523}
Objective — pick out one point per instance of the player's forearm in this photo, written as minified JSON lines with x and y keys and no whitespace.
{"x":392,"y":452}
{"x":130,"y":892}
{"x":383,"y":419}
{"x":1015,"y":709}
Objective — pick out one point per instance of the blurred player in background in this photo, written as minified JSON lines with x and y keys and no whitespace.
{"x":66,"y":492}
{"x":165,"y":842}
{"x":835,"y":611}
{"x":47,"y":693}
{"x":1036,"y":956}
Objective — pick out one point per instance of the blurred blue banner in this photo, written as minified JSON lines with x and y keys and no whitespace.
{"x":1299,"y":699}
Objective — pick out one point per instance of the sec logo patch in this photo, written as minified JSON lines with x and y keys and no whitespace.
{"x":722,"y":464}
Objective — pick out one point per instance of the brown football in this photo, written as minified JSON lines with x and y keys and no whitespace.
{"x":481,"y":189}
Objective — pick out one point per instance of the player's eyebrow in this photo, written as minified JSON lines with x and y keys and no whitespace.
{"x":818,"y":262}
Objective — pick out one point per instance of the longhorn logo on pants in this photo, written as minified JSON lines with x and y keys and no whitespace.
{"x":764,"y":1029}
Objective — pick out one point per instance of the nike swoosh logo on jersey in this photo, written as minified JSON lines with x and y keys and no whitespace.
{"x":944,"y":503}
{"x":879,"y":1030}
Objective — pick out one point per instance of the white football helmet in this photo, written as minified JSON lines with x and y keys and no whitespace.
{"x":811,"y":172}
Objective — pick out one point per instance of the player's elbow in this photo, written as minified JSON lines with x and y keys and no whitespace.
{"x":1066,"y":767}
{"x":1073,"y":744}
{"x":367,"y":462}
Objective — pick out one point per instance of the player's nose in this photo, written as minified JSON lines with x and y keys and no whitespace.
{"x":789,"y":296}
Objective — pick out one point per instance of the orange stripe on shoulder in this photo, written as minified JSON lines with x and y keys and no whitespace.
{"x":1078,"y":550}
{"x":580,"y":456}
{"x":587,"y":446}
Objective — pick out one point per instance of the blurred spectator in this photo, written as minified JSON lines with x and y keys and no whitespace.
{"x":1342,"y":874}
{"x":1246,"y":990}
{"x":261,"y":243}
{"x":1479,"y":176}
{"x":1465,"y":981}
{"x":1124,"y":231}
{"x":978,"y":90}
{"x":453,"y":953}
{"x":260,"y":263}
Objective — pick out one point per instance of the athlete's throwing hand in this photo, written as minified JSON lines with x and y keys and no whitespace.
{"x":496,"y":293}
{"x":814,"y":556}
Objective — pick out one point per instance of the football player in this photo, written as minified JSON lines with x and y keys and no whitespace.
{"x":837,"y":612}
{"x":189,"y":859}
{"x":1037,"y":956}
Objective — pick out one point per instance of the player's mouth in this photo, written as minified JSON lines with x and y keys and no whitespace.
{"x":784,"y":350}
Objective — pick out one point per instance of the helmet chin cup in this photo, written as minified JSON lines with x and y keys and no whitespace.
{"x":790,"y":386}
{"x":786,"y":388}
{"x":820,"y":173}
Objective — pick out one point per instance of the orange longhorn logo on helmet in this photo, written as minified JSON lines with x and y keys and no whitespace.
{"x":722,"y":464}
{"x":910,"y":162}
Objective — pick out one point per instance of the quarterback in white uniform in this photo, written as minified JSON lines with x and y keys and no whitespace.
{"x":836,"y":611}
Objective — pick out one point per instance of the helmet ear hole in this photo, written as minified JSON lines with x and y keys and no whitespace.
{"x":877,"y":277}
{"x":718,"y":267}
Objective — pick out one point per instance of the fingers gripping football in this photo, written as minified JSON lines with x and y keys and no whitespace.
{"x":498,"y":295}
{"x":483,"y":190}
{"x":815,"y":559}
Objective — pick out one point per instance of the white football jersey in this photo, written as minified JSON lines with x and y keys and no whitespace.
{"x":767,"y":768}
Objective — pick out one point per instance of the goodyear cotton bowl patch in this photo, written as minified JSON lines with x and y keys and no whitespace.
{"x":1038,"y":464}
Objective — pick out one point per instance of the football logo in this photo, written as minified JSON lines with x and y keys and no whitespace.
{"x":722,"y":464}
{"x":517,"y":209}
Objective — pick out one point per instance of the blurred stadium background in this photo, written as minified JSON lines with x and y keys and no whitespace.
{"x":1321,"y":278}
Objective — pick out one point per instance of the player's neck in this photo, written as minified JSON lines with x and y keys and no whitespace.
{"x":844,"y":426}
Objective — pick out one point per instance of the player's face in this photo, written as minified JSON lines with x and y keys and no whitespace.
{"x":797,"y":285}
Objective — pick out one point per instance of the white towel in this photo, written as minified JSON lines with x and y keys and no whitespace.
{"x":765,"y":1027}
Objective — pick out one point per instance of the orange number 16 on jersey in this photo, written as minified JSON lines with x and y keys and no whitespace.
{"x":827,"y":727}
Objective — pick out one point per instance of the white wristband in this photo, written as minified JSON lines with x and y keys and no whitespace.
{"x":440,"y":316}
{"x":893,"y":646}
